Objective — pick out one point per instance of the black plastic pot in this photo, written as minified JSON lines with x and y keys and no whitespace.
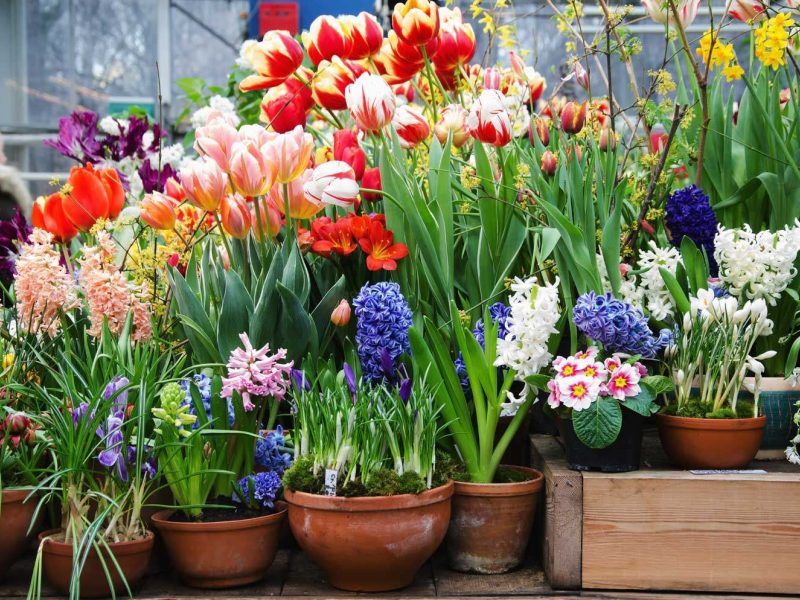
{"x":621,"y":456}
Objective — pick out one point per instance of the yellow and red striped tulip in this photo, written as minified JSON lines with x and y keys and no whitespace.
{"x":274,"y":59}
{"x":325,"y":39}
{"x":416,"y":22}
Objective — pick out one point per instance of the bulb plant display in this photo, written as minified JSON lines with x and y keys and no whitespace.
{"x":374,"y":249}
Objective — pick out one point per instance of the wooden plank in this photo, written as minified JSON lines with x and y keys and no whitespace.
{"x":671,"y":530}
{"x":560,"y":523}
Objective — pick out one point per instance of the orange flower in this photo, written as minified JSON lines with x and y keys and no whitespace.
{"x":325,"y":39}
{"x":48,"y":214}
{"x":91,"y":195}
{"x":274,"y":59}
{"x":381,"y":252}
{"x":416,"y":22}
{"x":235,"y":216}
{"x":332,"y":236}
{"x":365,"y":34}
{"x":158,"y":211}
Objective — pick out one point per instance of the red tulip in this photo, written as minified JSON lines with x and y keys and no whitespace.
{"x":114,"y":191}
{"x":91,"y":195}
{"x":548,"y":163}
{"x":286,"y":106}
{"x":372,"y":181}
{"x":416,"y":22}
{"x":658,"y":138}
{"x":274,"y":59}
{"x":332,"y":79}
{"x":346,"y":148}
{"x":325,"y":39}
{"x":365,"y":34}
{"x":456,"y":41}
{"x":540,"y":128}
{"x":48,"y":214}
{"x":174,"y":190}
{"x":573,"y":117}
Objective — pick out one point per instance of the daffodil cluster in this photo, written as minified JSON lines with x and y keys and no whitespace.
{"x":772,"y":39}
{"x":713,"y":52}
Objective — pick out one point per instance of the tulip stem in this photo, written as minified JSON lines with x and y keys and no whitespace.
{"x":286,"y":210}
{"x":431,"y":77}
{"x":224,"y":237}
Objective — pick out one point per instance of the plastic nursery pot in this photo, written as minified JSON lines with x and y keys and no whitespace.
{"x":694,"y":443}
{"x":623,"y":455}
{"x":15,"y":521}
{"x":370,"y":544}
{"x":777,"y":401}
{"x":221,"y":554}
{"x":131,"y":557}
{"x":492,"y":522}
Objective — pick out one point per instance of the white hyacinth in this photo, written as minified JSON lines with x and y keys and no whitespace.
{"x":534,"y":314}
{"x":657,"y":297}
{"x":217,"y":106}
{"x":629,"y":289}
{"x":757,"y":265}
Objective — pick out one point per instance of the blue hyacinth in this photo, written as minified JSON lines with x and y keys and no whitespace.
{"x":202,"y":383}
{"x":499,"y":314}
{"x":689,"y":213}
{"x":258,"y":491}
{"x":271,"y":451}
{"x":382,"y":321}
{"x":617,"y":325}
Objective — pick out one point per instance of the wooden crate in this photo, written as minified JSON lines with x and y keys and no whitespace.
{"x":663,"y":529}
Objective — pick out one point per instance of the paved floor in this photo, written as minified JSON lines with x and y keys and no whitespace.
{"x":292,"y":575}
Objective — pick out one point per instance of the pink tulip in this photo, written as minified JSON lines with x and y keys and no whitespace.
{"x":205,"y":183}
{"x":492,"y":78}
{"x":333,"y":182}
{"x":158,"y":211}
{"x":216,"y":140}
{"x":291,"y":152}
{"x":661,"y":12}
{"x":256,"y":134}
{"x":488,"y":120}
{"x":251,"y":171}
{"x":371,"y":102}
{"x":412,"y":127}
{"x":235,"y":216}
{"x":300,"y":206}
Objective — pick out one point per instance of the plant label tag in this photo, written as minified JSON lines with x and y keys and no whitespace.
{"x":330,"y":482}
{"x":728,"y":472}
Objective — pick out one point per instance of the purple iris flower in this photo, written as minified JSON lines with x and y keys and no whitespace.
{"x":300,"y":380}
{"x":405,"y":389}
{"x":78,"y":137}
{"x":350,"y":378}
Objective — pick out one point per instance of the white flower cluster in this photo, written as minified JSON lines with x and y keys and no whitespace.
{"x":170,"y":155}
{"x":629,"y":289}
{"x":657,"y":297}
{"x":217,"y":105}
{"x":757,"y":265}
{"x":520,"y":117}
{"x":534,"y":314}
{"x":113,"y":126}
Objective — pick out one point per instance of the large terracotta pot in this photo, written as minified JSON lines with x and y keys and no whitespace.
{"x":15,"y":520}
{"x":491,"y":523}
{"x":372,"y":544}
{"x":132,"y":558}
{"x":694,"y":443}
{"x":221,"y":554}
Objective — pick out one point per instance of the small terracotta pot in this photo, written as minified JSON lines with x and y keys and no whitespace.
{"x":370,"y":544}
{"x":132,"y":558}
{"x":221,"y":554}
{"x":15,"y":521}
{"x":693,"y":443}
{"x":492,"y":523}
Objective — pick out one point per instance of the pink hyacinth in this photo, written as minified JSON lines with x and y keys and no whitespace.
{"x":256,"y":373}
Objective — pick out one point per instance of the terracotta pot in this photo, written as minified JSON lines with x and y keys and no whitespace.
{"x":693,"y":443}
{"x":15,"y":520}
{"x":370,"y":544}
{"x":221,"y":554}
{"x":132,"y":558}
{"x":492,"y":523}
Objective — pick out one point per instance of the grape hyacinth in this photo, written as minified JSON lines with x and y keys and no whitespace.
{"x":271,"y":451}
{"x":617,"y":325}
{"x":382,"y":322}
{"x":689,"y":213}
{"x":258,"y":491}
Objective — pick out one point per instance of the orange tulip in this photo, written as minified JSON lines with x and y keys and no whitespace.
{"x":235,"y":216}
{"x":300,"y":206}
{"x":341,"y":314}
{"x":158,"y":211}
{"x":48,"y":214}
{"x":274,"y":59}
{"x":325,"y":39}
{"x":365,"y":34}
{"x":416,"y":22}
{"x":90,"y":195}
{"x":332,"y":79}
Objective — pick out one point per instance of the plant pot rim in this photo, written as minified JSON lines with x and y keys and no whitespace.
{"x":161,"y":521}
{"x":713,"y":424}
{"x":120,"y":548}
{"x":775,"y":384}
{"x":15,"y":494}
{"x":370,"y":503}
{"x":513,"y":488}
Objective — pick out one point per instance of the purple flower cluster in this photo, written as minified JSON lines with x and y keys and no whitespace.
{"x":202,"y":383}
{"x":12,"y":232}
{"x":111,"y":432}
{"x":383,"y":319}
{"x":271,"y":451}
{"x":499,"y":314}
{"x":689,"y":213}
{"x":78,"y":138}
{"x":617,"y":325}
{"x":258,"y":491}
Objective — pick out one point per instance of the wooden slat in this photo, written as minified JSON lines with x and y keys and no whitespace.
{"x":672,"y":530}
{"x":560,"y":520}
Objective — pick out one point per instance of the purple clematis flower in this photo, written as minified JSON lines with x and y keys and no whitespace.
{"x":78,"y":137}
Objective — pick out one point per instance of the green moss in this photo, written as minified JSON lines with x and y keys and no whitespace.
{"x":705,"y":410}
{"x":447,"y":468}
{"x":384,"y":482}
{"x":300,"y":477}
{"x":505,"y":475}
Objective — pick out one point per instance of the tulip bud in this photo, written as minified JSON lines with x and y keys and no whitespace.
{"x":235,"y":216}
{"x":624,"y":268}
{"x":548,"y":163}
{"x":573,"y":117}
{"x":581,"y":74}
{"x":411,"y":126}
{"x":372,"y":181}
{"x":341,"y":314}
{"x":371,"y":102}
{"x":577,"y":150}
{"x":517,"y":64}
{"x":157,"y":211}
{"x":646,"y":227}
{"x":488,"y":120}
{"x":208,"y":450}
{"x":453,"y":119}
{"x":658,"y":138}
{"x":416,"y":22}
{"x":608,"y":141}
{"x":491,"y":78}
{"x":266,"y":221}
{"x":223,"y":256}
{"x":333,"y":182}
{"x":540,"y":127}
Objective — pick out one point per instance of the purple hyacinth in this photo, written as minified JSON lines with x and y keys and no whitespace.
{"x":617,"y":325}
{"x":78,"y":137}
{"x":382,"y":322}
{"x":689,"y":213}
